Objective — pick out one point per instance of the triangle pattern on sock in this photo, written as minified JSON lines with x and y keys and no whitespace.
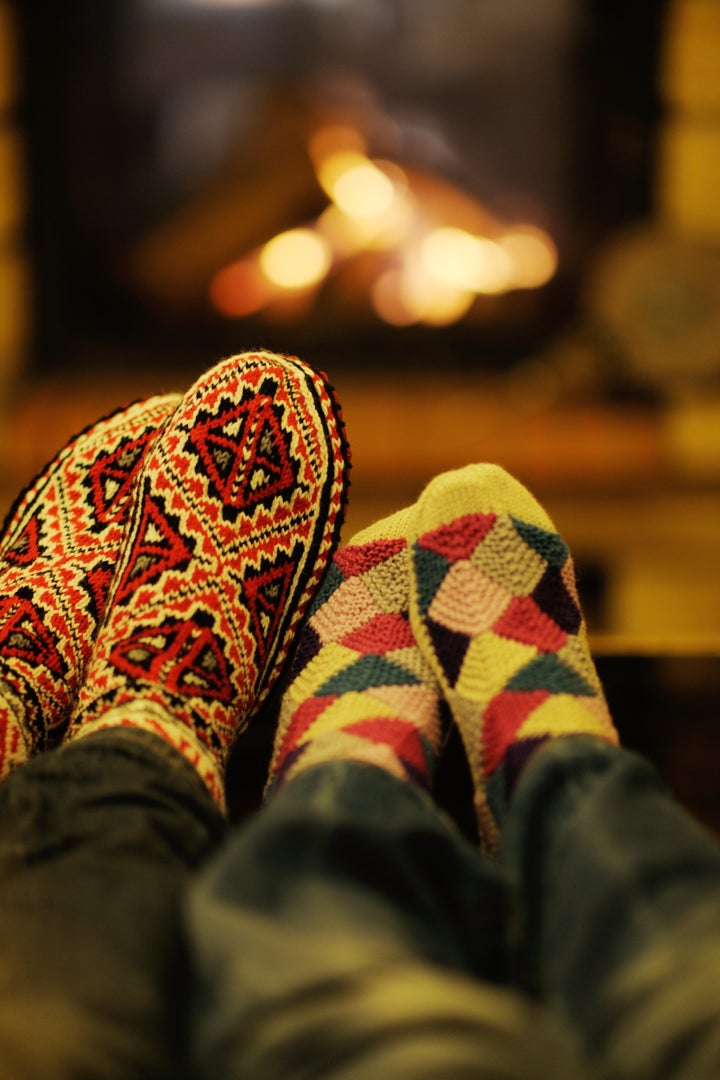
{"x":157,"y":548}
{"x":550,"y":545}
{"x":187,"y":657}
{"x":201,"y":669}
{"x":429,"y":572}
{"x":459,"y":540}
{"x":243,"y":451}
{"x":359,"y":558}
{"x":96,"y":583}
{"x":548,"y":672}
{"x":28,"y":547}
{"x":303,"y":719}
{"x":450,"y":647}
{"x":365,"y":672}
{"x":332,"y":581}
{"x":401,"y":736}
{"x":524,"y":621}
{"x":110,"y":478}
{"x":140,"y":656}
{"x":552,"y":596}
{"x":219,"y":453}
{"x":383,"y":634}
{"x":504,"y":715}
{"x":266,"y":593}
{"x":23,"y":635}
{"x":274,"y":473}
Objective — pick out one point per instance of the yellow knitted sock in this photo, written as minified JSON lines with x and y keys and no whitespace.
{"x":495,"y":610}
{"x":360,"y":687}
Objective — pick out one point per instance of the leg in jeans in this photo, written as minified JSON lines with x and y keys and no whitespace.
{"x":349,"y":930}
{"x":619,"y":909}
{"x":97,"y":842}
{"x":159,"y":619}
{"x":618,"y":889}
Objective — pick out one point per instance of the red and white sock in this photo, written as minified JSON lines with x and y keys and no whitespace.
{"x":58,"y":550}
{"x":237,"y":512}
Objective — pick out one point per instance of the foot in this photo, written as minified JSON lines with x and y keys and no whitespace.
{"x":58,"y":549}
{"x":237,"y":512}
{"x":360,"y":688}
{"x":495,"y":609}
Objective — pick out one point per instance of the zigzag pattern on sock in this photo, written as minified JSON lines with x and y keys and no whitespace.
{"x":58,"y":549}
{"x":360,"y":689}
{"x":496,"y":611}
{"x":237,"y":513}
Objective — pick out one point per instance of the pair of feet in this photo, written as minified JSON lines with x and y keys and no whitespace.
{"x":155,"y":574}
{"x":466,"y":598}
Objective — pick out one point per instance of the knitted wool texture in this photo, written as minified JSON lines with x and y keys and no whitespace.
{"x":495,"y":609}
{"x":360,"y":688}
{"x":236,"y":514}
{"x":58,"y":550}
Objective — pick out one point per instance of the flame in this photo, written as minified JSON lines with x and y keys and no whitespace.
{"x":532,"y":254}
{"x":466,"y":262}
{"x":296,"y":259}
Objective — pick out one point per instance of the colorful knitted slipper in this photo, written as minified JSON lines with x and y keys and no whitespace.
{"x":237,"y":512}
{"x":360,"y":688}
{"x":495,"y":609}
{"x":58,"y":548}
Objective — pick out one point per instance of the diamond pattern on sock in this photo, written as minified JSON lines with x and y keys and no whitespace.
{"x":360,"y":688}
{"x":58,"y":549}
{"x":500,"y":623}
{"x":236,"y":514}
{"x":250,"y":429}
{"x":186,"y":656}
{"x":110,"y":478}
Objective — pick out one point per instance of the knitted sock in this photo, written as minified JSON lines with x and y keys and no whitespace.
{"x":236,"y":515}
{"x":58,"y":549}
{"x":360,"y":687}
{"x":495,"y":610}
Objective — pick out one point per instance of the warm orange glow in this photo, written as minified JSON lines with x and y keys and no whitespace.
{"x":238,"y":290}
{"x":388,"y":299}
{"x":431,"y":300}
{"x":363,"y":191}
{"x":331,"y":167}
{"x":350,"y":235}
{"x":533,"y":256}
{"x":356,"y":185}
{"x":466,"y":262}
{"x":296,"y":259}
{"x":335,"y":139}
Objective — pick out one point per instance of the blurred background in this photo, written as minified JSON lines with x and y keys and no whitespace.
{"x":494,"y":223}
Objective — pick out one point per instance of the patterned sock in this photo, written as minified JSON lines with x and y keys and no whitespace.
{"x":58,"y":548}
{"x":237,"y":512}
{"x":495,"y":610}
{"x":360,"y":688}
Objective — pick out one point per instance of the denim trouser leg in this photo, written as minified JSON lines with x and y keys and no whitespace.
{"x":349,"y":931}
{"x":97,"y":841}
{"x":618,"y":919}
